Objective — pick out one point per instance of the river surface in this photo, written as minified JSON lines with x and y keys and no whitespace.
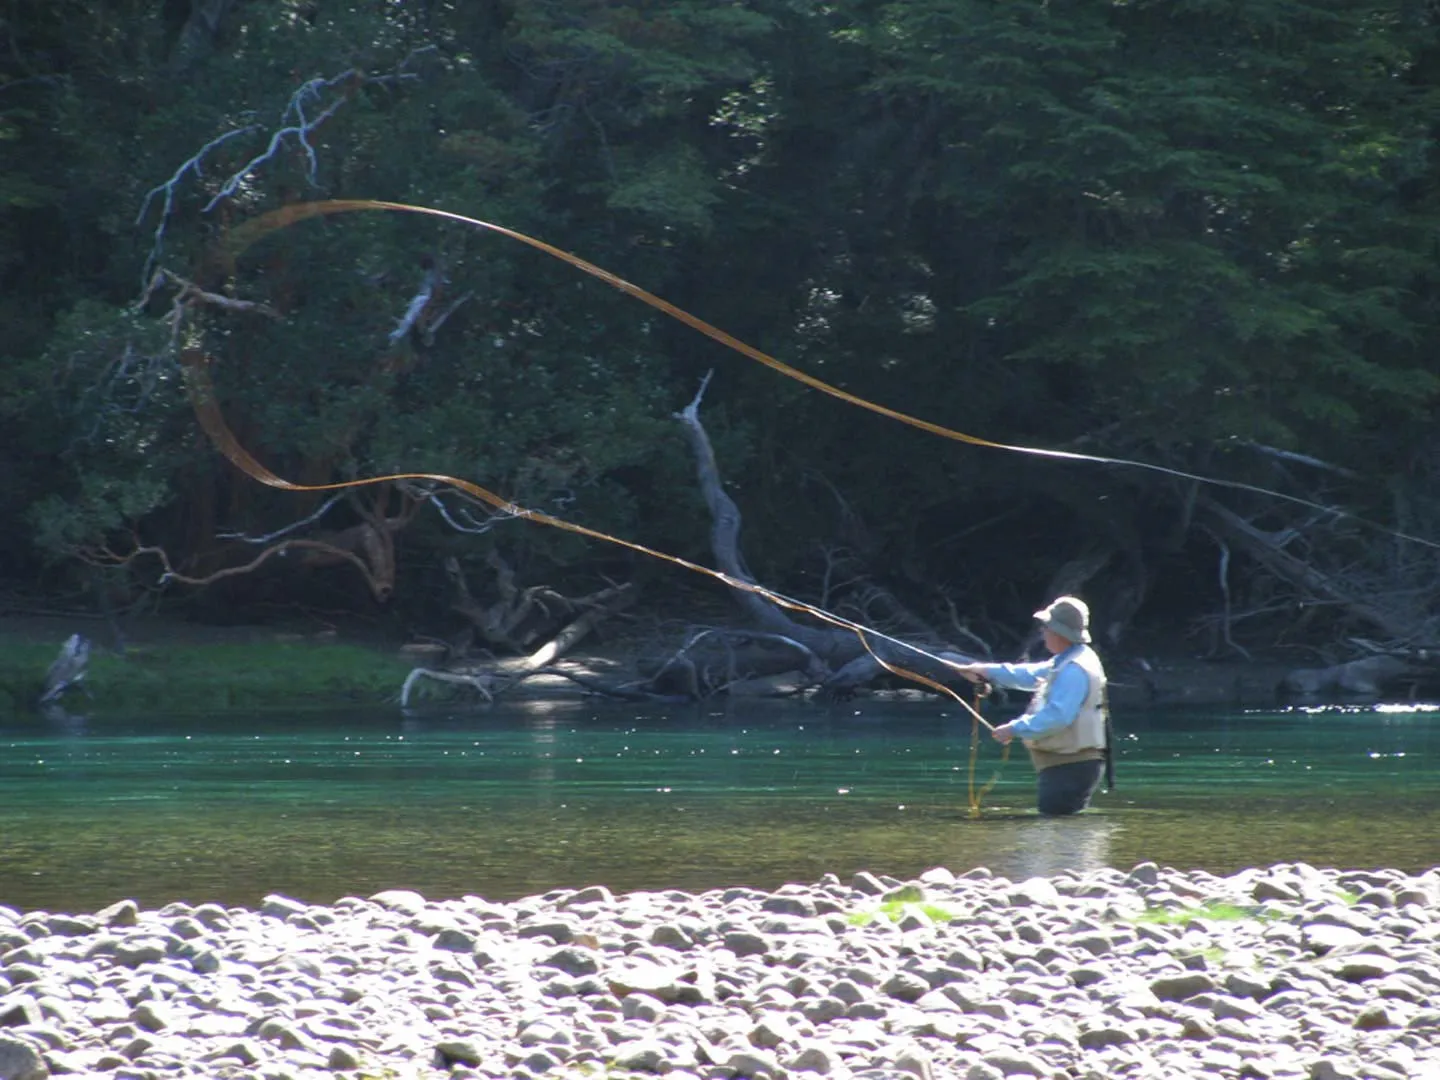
{"x":523,"y":798}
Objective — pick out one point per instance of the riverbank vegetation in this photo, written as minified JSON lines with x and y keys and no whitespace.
{"x":1200,"y":235}
{"x":204,"y":678}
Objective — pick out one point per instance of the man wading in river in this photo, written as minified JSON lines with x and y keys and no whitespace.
{"x":1067,"y":725}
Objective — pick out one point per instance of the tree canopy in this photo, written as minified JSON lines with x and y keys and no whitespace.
{"x":1199,"y":233}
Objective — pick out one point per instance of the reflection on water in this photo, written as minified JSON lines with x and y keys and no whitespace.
{"x":1045,"y":846}
{"x":521,"y":799}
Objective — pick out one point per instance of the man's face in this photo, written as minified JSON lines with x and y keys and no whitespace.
{"x":1054,"y":642}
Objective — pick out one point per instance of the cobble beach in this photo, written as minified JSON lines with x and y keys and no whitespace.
{"x":1285,"y":971}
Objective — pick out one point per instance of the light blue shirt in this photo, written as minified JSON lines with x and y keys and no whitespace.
{"x":1068,"y":689}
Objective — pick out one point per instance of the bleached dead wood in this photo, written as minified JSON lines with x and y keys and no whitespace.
{"x":1307,"y":578}
{"x":495,"y":680}
{"x":848,"y":661}
{"x":67,"y":670}
{"x":483,"y":684}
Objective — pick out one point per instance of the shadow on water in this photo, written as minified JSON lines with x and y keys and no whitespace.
{"x":521,"y":799}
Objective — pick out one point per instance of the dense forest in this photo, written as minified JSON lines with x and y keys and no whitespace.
{"x":1200,"y":234}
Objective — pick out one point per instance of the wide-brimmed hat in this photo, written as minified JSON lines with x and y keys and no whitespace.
{"x":1067,"y":616}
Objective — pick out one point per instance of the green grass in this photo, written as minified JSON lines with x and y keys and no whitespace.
{"x":1211,"y":910}
{"x":903,"y":901}
{"x":185,"y":678}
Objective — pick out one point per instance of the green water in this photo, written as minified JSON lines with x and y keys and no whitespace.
{"x":521,"y":799}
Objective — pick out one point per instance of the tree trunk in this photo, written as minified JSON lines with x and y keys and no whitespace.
{"x":851,"y":660}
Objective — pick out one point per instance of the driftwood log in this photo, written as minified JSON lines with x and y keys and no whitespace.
{"x":520,"y":618}
{"x":515,"y":622}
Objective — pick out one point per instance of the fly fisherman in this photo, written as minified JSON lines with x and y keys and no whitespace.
{"x":1066,"y":727}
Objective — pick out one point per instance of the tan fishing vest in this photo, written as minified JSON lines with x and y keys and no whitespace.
{"x":1084,"y":739}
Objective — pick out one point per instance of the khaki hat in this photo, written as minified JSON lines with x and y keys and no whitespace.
{"x":1067,"y":616}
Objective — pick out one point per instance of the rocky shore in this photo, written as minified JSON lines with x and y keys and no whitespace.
{"x":1279,"y":972}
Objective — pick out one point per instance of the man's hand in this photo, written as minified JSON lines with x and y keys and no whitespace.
{"x":1003,"y":734}
{"x":970,"y":672}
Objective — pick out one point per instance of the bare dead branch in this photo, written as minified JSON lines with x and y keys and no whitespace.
{"x":1223,"y":570}
{"x":418,"y":303}
{"x":189,"y":296}
{"x":1300,"y":459}
{"x":308,"y":95}
{"x":462,"y":520}
{"x":433,"y":326}
{"x":310,"y":92}
{"x":324,"y":509}
{"x":482,"y":684}
{"x":167,"y":189}
{"x":1314,"y":585}
{"x":320,"y":552}
{"x":964,"y":631}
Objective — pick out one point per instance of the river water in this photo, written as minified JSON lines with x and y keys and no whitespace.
{"x":522,"y":798}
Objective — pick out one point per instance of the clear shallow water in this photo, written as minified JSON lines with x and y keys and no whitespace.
{"x":521,"y":799}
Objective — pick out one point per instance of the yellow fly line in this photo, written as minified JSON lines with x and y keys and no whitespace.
{"x":201,"y":391}
{"x":196,"y":364}
{"x":242,"y":236}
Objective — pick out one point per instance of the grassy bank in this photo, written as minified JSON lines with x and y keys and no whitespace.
{"x":185,"y":677}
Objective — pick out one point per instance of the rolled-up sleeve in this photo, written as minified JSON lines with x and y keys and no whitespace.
{"x":1068,"y":691}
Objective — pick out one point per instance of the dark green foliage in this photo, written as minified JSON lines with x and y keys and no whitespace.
{"x":1161,"y":230}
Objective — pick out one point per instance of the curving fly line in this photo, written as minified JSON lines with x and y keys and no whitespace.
{"x":242,"y":236}
{"x":202,"y":395}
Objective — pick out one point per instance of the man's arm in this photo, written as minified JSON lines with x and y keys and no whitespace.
{"x":1010,"y":676}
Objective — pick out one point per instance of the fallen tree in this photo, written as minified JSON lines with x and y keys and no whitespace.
{"x":1401,"y":648}
{"x":774,"y":654}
